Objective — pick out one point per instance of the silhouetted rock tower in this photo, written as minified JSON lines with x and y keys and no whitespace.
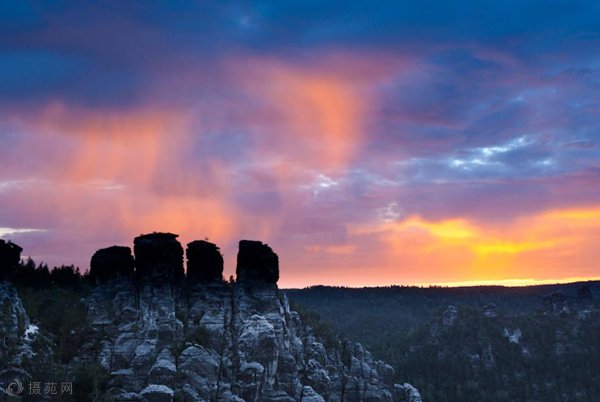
{"x":111,"y":263}
{"x":158,"y":256}
{"x":10,"y":255}
{"x":204,"y":261}
{"x":256,"y":262}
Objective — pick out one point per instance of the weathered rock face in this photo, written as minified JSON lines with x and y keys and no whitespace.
{"x":110,"y":263}
{"x":204,"y":261}
{"x":256,"y":262}
{"x":158,"y":256}
{"x":16,"y":335}
{"x":219,"y":341}
{"x":10,"y":255}
{"x":208,"y":340}
{"x":406,"y":392}
{"x":225,"y":342}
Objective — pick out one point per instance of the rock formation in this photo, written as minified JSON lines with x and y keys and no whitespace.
{"x":449,"y":316}
{"x":158,"y":256}
{"x":16,"y":334}
{"x":210,"y":340}
{"x":204,"y":261}
{"x":256,"y":262}
{"x":490,"y":310}
{"x":112,"y":262}
{"x":556,"y":302}
{"x":406,"y":392}
{"x":225,"y":341}
{"x":10,"y":255}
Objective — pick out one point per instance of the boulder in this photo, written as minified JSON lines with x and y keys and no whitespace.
{"x":406,"y":393}
{"x":204,"y":261}
{"x":374,"y":393}
{"x":157,"y":393}
{"x":199,"y":360}
{"x":387,"y":374}
{"x":10,"y":255}
{"x":159,"y":257}
{"x":144,"y":354}
{"x":163,"y":371}
{"x":309,"y":395}
{"x":125,"y":346}
{"x":257,"y":262}
{"x":111,"y":263}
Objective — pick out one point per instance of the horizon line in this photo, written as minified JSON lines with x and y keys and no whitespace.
{"x":510,"y":283}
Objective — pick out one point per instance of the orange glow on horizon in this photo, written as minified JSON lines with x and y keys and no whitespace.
{"x":510,"y":282}
{"x":502,"y":282}
{"x":554,"y":244}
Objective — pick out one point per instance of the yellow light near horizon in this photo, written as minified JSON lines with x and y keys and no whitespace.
{"x":448,"y":229}
{"x":509,"y":282}
{"x":575,"y":213}
{"x":511,"y":248}
{"x":557,"y":244}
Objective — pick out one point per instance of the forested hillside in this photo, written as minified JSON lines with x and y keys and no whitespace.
{"x":474,"y":344}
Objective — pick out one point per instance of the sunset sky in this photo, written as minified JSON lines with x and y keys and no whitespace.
{"x":369,"y":143}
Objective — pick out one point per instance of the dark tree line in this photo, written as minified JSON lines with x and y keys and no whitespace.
{"x":28,"y":274}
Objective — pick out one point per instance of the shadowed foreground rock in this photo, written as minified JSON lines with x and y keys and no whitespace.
{"x":204,"y":261}
{"x":111,"y":263}
{"x":158,"y":256}
{"x":10,"y":255}
{"x":257,"y":262}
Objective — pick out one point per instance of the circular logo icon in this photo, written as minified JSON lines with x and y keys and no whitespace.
{"x":14,"y":388}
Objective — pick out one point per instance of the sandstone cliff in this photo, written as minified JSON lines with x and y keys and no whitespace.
{"x":162,"y":337}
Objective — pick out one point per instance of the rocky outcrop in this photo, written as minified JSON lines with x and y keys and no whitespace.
{"x":490,"y":310}
{"x":256,"y":262}
{"x":218,"y":341}
{"x":208,"y":340}
{"x":204,"y":261}
{"x":406,"y":392}
{"x":556,"y":302}
{"x":449,"y":316}
{"x":110,"y":263}
{"x":10,"y":255}
{"x":158,"y":257}
{"x":225,"y":342}
{"x":16,"y":335}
